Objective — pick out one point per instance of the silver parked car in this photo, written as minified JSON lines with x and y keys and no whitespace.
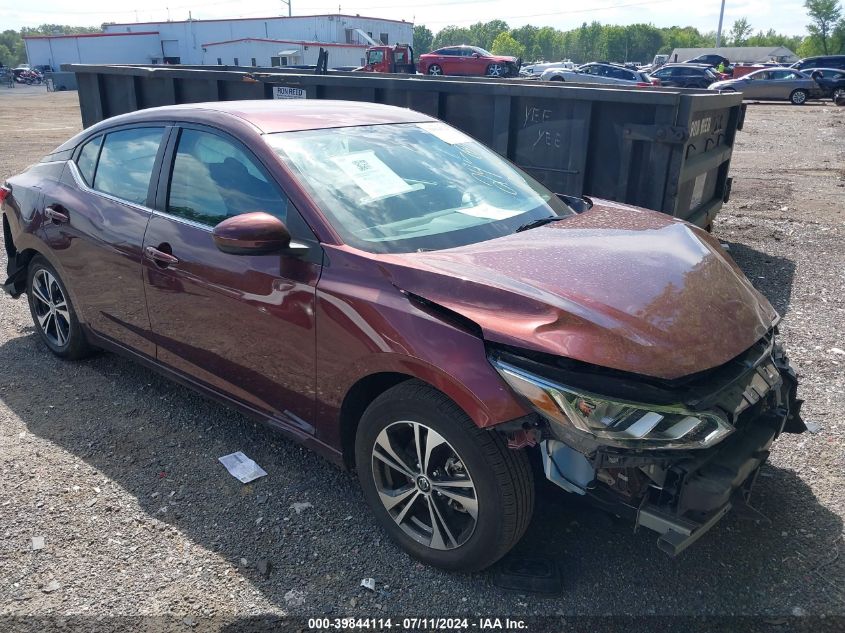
{"x":600,"y":73}
{"x":779,"y":84}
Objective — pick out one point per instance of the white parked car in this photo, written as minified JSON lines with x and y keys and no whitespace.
{"x":600,"y":73}
{"x":535,"y":70}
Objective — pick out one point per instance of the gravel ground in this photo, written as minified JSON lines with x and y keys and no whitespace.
{"x":117,"y":468}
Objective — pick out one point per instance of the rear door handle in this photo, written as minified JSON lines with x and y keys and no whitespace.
{"x":159,"y":257}
{"x":57,"y":213}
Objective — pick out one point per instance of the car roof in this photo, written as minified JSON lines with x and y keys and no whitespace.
{"x":270,"y":116}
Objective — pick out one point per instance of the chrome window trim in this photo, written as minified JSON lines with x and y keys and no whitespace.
{"x":80,"y":182}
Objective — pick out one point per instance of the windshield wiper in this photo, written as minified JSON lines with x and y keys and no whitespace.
{"x":538,"y":222}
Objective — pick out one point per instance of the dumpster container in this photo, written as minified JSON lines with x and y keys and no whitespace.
{"x":665,"y":149}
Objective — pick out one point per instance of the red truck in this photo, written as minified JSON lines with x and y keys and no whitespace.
{"x":398,"y":58}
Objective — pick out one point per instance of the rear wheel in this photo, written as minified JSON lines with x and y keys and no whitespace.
{"x":496,"y":70}
{"x":556,"y":78}
{"x":435,"y":69}
{"x":798,"y":97}
{"x":838,"y":94}
{"x":52,"y":312}
{"x":451,"y":494}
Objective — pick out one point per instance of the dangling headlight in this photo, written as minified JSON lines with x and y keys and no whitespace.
{"x":621,"y":424}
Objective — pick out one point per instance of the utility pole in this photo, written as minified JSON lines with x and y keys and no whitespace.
{"x":719,"y":32}
{"x":287,"y":2}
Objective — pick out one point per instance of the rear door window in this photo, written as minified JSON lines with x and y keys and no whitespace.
{"x":126,"y":163}
{"x":214,"y":179}
{"x":87,"y":160}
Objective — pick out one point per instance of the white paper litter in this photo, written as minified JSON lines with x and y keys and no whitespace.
{"x":242,"y":467}
{"x":37,"y":542}
{"x":369,"y":583}
{"x":371,"y":175}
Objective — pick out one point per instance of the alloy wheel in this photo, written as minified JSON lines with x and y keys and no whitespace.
{"x":435,"y":70}
{"x":51,"y":308}
{"x":496,"y":70}
{"x":799,"y":97}
{"x":424,"y":485}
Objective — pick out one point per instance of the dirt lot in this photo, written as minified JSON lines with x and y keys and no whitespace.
{"x":117,"y":468}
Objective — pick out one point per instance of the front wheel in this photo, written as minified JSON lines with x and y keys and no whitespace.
{"x":497,"y":70}
{"x":52,"y":312}
{"x":838,"y":95}
{"x":798,"y":97}
{"x":451,"y":494}
{"x":435,"y":69}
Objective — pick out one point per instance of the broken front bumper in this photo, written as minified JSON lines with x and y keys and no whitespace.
{"x":681,"y":495}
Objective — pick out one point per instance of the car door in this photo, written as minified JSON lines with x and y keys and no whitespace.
{"x":666,"y":77}
{"x":98,"y":213}
{"x":781,"y":84}
{"x":241,"y":324}
{"x":756,"y":85}
{"x":452,"y":61}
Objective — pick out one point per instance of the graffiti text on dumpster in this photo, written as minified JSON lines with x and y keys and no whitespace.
{"x":545,"y":137}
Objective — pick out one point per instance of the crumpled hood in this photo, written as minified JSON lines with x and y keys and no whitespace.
{"x":617,"y":286}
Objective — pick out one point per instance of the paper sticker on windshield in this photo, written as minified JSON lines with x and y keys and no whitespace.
{"x":490,"y":213}
{"x":446,"y":133}
{"x":373,"y":176}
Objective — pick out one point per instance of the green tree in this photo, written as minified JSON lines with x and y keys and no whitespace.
{"x":450,"y":36}
{"x":824,"y":16}
{"x":59,"y":29}
{"x":483,"y":34}
{"x":527,"y":36}
{"x":504,"y":44}
{"x":423,"y":38}
{"x":740,"y":32}
{"x":12,"y":49}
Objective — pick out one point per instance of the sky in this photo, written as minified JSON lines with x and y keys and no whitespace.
{"x":785,"y":16}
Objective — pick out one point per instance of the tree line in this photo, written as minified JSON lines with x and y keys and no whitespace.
{"x":590,"y":42}
{"x":635,"y":42}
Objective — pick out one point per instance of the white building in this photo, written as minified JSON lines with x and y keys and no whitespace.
{"x":272,"y":41}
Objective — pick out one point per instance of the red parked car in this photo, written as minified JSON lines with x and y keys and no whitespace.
{"x":468,"y":60}
{"x":432,"y":318}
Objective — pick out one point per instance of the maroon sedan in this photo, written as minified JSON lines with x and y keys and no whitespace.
{"x":381,"y":287}
{"x":468,"y":60}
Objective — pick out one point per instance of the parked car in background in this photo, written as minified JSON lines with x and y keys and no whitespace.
{"x":831,"y":82}
{"x":710,"y":60}
{"x":468,"y":60}
{"x":448,"y":342}
{"x":536,"y":69}
{"x":780,"y":84}
{"x":823,"y":61}
{"x":685,"y":75}
{"x":600,"y":73}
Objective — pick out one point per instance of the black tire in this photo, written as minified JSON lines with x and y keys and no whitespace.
{"x":799,"y":97}
{"x":556,"y":78}
{"x":435,"y":69}
{"x":502,"y":478}
{"x":73,"y":345}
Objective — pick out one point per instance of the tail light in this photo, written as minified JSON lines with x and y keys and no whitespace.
{"x":655,"y":82}
{"x":644,"y":84}
{"x":4,"y":193}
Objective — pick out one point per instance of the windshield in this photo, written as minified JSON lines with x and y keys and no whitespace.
{"x":481,"y":51}
{"x":414,"y":186}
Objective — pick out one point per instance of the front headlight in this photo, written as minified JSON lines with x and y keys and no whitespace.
{"x":615,"y":423}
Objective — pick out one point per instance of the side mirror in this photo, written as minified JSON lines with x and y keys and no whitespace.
{"x":476,"y":55}
{"x":256,"y":233}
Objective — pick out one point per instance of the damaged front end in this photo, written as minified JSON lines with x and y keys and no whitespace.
{"x":670,"y":455}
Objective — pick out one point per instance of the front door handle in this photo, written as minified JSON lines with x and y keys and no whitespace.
{"x":57,"y":213}
{"x":160,"y":257}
